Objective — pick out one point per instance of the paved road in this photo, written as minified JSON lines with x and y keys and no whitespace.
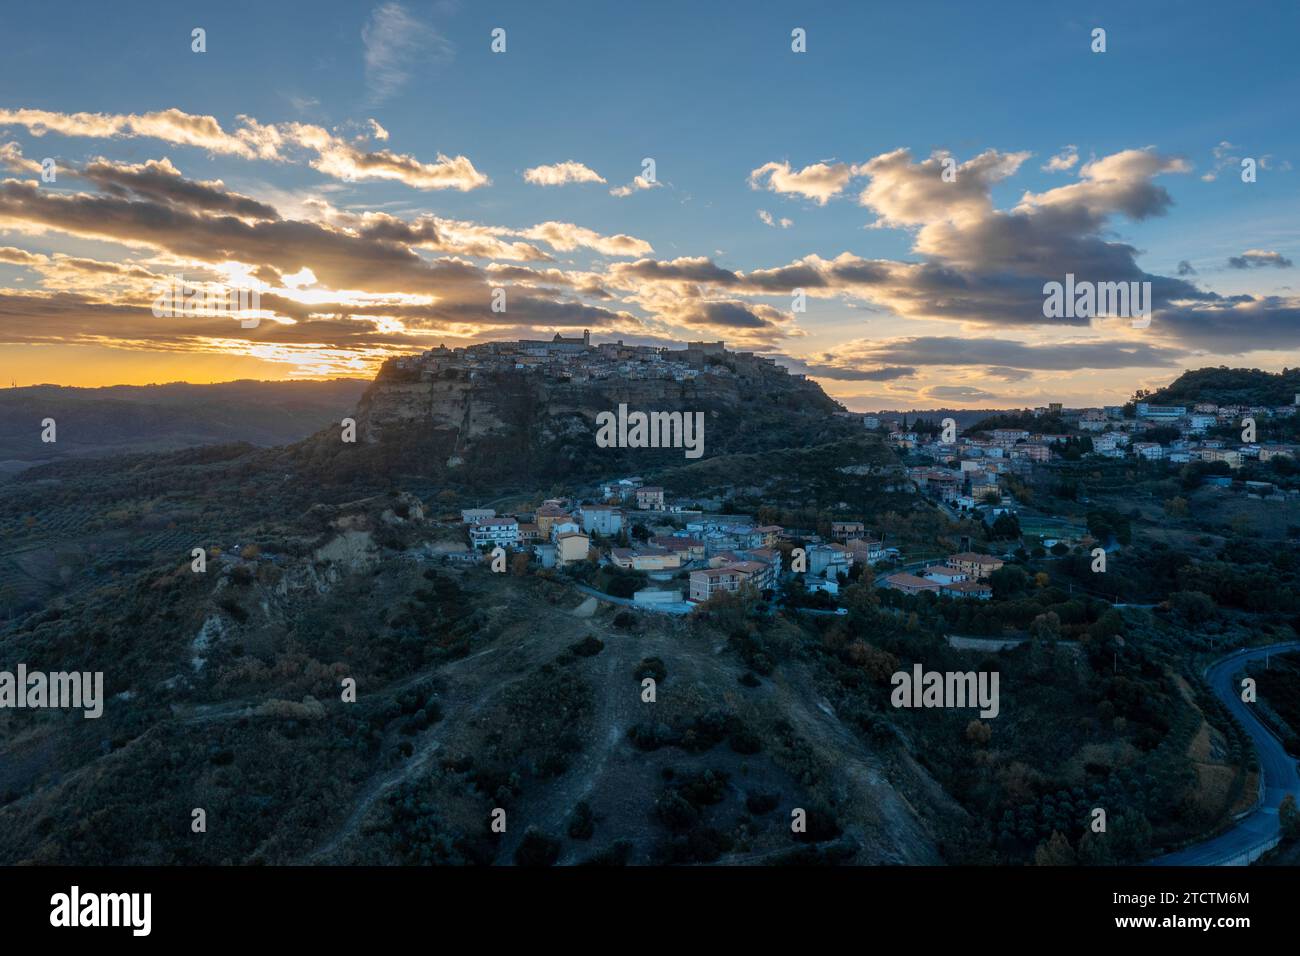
{"x":1260,"y":827}
{"x":680,"y":607}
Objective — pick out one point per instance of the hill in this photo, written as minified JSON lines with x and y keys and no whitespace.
{"x":1228,"y":386}
{"x":497,"y":429}
{"x":134,"y":418}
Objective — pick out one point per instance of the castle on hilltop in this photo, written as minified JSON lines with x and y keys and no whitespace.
{"x":576,"y":359}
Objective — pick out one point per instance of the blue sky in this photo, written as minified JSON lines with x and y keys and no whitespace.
{"x":712,"y":93}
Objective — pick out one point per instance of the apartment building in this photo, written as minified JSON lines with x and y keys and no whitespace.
{"x":709,"y":581}
{"x":977,"y":567}
{"x":494,"y":531}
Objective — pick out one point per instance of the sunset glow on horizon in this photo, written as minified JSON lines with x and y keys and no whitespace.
{"x":881,"y":225}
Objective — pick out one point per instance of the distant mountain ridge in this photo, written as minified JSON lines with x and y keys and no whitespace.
{"x":142,"y":418}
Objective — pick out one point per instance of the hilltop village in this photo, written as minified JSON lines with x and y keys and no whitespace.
{"x":576,"y":360}
{"x":685,"y":550}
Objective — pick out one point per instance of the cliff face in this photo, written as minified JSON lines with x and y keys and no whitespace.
{"x":477,"y":421}
{"x":477,"y":403}
{"x":394,"y":402}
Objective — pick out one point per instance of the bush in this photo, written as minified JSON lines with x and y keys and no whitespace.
{"x":651,"y":667}
{"x":582,"y":825}
{"x":537,"y":849}
{"x":616,"y":855}
{"x":761,"y":803}
{"x":589,"y":646}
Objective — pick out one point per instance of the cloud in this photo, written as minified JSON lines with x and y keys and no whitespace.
{"x":637,"y":184}
{"x":1062,"y":161}
{"x":560,"y":174}
{"x":957,"y":393}
{"x":986,"y":267}
{"x":327,"y":152}
{"x":1226,"y":157}
{"x":819,"y":182}
{"x":20,"y":257}
{"x":1258,"y":259}
{"x":1223,"y":158}
{"x":12,"y":159}
{"x":159,"y":179}
{"x":768,"y":220}
{"x":251,"y":141}
{"x":1185,"y":268}
{"x":344,"y":161}
{"x":393,"y":40}
{"x":339,"y":293}
{"x":687,"y":269}
{"x":904,"y":193}
{"x":375,"y":282}
{"x":845,"y":373}
{"x":1006,"y":354}
{"x":565,"y":236}
{"x":1008,"y":374}
{"x":1232,"y":327}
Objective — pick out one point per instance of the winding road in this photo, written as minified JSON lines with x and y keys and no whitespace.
{"x":1258,"y":830}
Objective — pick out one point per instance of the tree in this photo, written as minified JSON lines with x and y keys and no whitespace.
{"x":1194,"y":607}
{"x":1008,"y":581}
{"x":1176,"y":507}
{"x":1055,"y":851}
{"x":1006,"y":527}
{"x":1288,"y":815}
{"x":979,"y":733}
{"x":1094,"y":850}
{"x":1132,"y":836}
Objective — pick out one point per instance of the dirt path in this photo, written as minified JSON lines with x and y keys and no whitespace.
{"x":616,"y":697}
{"x":426,"y":744}
{"x":462,"y":690}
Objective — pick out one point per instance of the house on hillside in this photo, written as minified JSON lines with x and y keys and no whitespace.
{"x":977,"y":567}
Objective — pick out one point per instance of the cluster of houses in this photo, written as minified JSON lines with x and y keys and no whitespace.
{"x":980,"y":462}
{"x":577,"y":360}
{"x":713,"y":552}
{"x":964,"y":575}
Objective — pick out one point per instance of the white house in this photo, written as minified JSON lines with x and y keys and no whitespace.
{"x":601,"y":519}
{"x":1152,"y":451}
{"x":494,"y":531}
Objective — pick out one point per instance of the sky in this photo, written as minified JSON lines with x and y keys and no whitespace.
{"x":881,"y":210}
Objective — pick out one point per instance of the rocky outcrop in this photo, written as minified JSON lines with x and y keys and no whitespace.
{"x":475,"y":404}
